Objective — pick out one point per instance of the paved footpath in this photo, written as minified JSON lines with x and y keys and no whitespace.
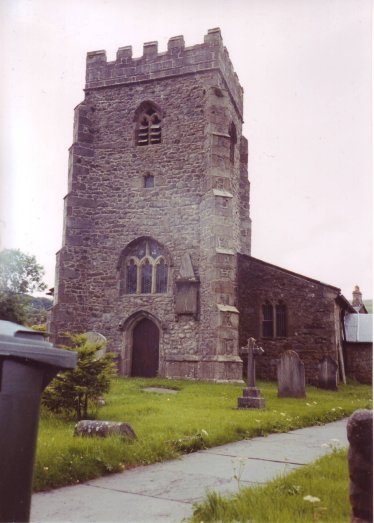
{"x":164,"y":492}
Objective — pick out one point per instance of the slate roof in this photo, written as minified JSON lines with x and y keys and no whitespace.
{"x":359,"y":328}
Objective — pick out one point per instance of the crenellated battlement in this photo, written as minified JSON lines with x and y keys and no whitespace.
{"x":177,"y":60}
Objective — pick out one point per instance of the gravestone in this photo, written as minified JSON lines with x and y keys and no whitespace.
{"x":103,"y":429}
{"x":360,"y":462}
{"x":291,"y":376}
{"x":251,"y":398}
{"x":328,"y":374}
{"x":97,"y":338}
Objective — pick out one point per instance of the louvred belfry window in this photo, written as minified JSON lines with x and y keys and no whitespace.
{"x":148,"y":130}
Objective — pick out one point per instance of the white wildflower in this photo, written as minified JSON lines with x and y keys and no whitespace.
{"x":311,"y":499}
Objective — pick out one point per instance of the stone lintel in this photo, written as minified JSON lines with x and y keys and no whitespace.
{"x":224,"y":135}
{"x":227,"y":308}
{"x":223,"y":250}
{"x":223,"y":193}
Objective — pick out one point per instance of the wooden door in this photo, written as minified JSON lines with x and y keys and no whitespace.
{"x":145,"y":349}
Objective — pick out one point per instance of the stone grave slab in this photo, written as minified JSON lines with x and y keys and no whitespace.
{"x":291,"y":376}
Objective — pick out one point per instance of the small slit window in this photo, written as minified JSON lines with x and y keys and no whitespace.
{"x":149,"y":181}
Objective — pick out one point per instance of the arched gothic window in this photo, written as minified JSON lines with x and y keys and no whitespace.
{"x":148,"y":124}
{"x":144,"y":268}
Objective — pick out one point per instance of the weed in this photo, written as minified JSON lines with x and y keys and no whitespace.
{"x":201,"y":415}
{"x":316,"y":492}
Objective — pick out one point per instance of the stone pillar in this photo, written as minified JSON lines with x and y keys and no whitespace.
{"x":360,"y":461}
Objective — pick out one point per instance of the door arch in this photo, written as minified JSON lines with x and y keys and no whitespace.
{"x":145,"y":349}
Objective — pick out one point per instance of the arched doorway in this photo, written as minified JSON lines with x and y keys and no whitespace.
{"x":145,"y":349}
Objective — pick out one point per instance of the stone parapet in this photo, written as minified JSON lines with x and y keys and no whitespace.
{"x":176,"y":61}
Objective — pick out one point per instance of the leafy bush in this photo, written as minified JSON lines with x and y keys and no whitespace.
{"x":77,"y":390}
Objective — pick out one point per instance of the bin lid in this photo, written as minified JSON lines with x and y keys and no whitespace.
{"x":17,"y":341}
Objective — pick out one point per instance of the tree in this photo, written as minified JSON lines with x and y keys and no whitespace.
{"x":77,"y":390}
{"x":20,"y":274}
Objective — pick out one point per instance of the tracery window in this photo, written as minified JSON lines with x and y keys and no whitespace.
{"x":144,"y":268}
{"x":148,"y":126}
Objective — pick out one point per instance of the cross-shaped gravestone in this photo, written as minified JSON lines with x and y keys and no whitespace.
{"x":251,"y":395}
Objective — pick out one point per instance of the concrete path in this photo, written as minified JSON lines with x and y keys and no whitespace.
{"x":165,"y":492}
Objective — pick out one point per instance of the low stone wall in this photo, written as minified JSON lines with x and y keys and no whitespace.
{"x":359,"y":361}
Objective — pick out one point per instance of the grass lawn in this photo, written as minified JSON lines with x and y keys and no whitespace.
{"x":200,"y":415}
{"x":324,"y":483}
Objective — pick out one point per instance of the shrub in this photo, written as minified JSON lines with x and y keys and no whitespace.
{"x":77,"y":390}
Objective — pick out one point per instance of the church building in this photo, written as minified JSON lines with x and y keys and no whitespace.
{"x":156,"y":252}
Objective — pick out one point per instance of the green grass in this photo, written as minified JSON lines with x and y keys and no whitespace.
{"x":200,"y":415}
{"x":282,"y":500}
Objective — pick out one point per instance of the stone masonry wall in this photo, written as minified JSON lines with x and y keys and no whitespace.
{"x":194,"y":206}
{"x":359,"y":361}
{"x":310,"y":315}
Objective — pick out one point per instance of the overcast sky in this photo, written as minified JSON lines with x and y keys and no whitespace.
{"x":305,"y":66}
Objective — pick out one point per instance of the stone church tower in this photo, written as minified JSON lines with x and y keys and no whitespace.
{"x":157,"y":210}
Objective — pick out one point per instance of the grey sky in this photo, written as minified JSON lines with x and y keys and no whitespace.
{"x":306,"y":71}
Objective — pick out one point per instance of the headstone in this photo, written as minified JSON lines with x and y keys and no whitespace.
{"x":251,"y":398}
{"x":360,"y":462}
{"x":97,"y":338}
{"x":328,"y":374}
{"x":102,"y":429}
{"x":291,"y":376}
